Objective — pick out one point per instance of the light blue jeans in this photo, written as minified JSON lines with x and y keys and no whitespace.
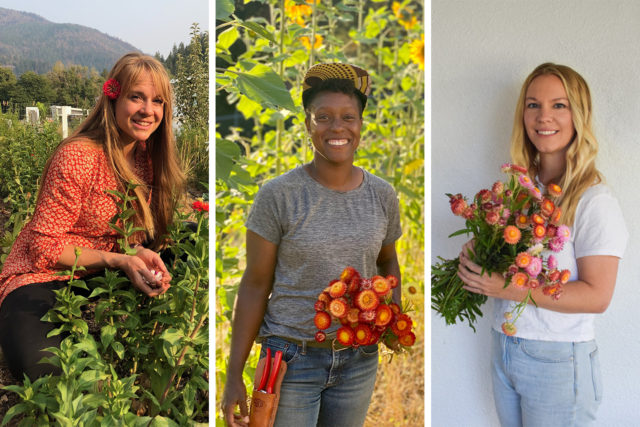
{"x":545,"y":383}
{"x":323,"y":387}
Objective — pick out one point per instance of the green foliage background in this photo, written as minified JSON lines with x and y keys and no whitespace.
{"x":266,"y":61}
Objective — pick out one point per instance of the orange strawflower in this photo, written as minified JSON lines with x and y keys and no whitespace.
{"x":338,"y":308}
{"x":337,"y":289}
{"x":407,"y":340}
{"x":509,"y":328}
{"x":383,"y":315}
{"x":380,"y":285}
{"x":539,"y":231}
{"x":512,"y":235}
{"x":345,"y":335}
{"x":520,"y":279}
{"x":523,"y":259}
{"x":367,"y":300}
{"x":362,"y":334}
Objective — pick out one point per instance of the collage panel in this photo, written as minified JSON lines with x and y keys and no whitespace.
{"x":104,"y":213}
{"x":319,"y":202}
{"x":550,"y":87}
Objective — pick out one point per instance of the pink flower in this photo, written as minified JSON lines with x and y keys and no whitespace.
{"x":534,"y":283}
{"x":525,"y":181}
{"x":458,"y":206}
{"x":535,"y":193}
{"x":506,"y":213}
{"x":552,"y":262}
{"x":535,"y":267}
{"x":556,"y":244}
{"x":492,"y":217}
{"x":497,"y":188}
{"x":484,"y":196}
{"x":563,"y":232}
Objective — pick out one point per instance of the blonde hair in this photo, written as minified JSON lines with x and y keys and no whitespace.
{"x":101,"y":128}
{"x":580,"y":172}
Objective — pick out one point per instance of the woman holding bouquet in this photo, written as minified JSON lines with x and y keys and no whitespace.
{"x":547,"y":373}
{"x":127,"y":138}
{"x":304,"y":228}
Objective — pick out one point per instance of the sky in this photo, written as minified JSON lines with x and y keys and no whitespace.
{"x":151,"y":26}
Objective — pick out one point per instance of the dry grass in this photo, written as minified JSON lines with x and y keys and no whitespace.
{"x":398,"y":397}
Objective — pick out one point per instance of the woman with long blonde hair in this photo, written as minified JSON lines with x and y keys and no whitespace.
{"x":126,"y":139}
{"x":548,"y":374}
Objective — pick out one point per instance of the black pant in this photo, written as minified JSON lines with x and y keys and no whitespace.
{"x":23,"y":335}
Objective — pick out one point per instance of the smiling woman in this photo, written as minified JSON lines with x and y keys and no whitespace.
{"x":304,"y":228}
{"x":127,"y":138}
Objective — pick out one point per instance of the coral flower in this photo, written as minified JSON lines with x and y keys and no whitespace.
{"x":383,"y":315}
{"x":367,"y":300}
{"x":337,"y":289}
{"x":492,"y":217}
{"x":535,"y":267}
{"x":402,"y":325}
{"x":362,"y":334}
{"x":345,"y":336}
{"x":537,"y":219}
{"x":539,"y":231}
{"x":407,"y":340}
{"x":522,"y":221}
{"x":416,"y":51}
{"x":554,"y":190}
{"x":338,"y":308}
{"x":523,"y":259}
{"x":555,"y":216}
{"x":322,"y":320}
{"x":458,"y":206}
{"x":380,"y":285}
{"x":393,"y":280}
{"x":565,"y":275}
{"x":509,"y":328}
{"x":353,"y":315}
{"x":512,"y":234}
{"x":520,"y":280}
{"x":547,"y":207}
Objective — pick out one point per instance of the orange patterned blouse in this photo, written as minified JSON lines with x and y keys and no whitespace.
{"x":73,"y":209}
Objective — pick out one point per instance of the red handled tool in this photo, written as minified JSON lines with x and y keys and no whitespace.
{"x":265,"y":372}
{"x":274,"y":373}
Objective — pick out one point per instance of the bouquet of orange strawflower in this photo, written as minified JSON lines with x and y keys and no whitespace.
{"x":514,"y":226}
{"x":365,"y":310}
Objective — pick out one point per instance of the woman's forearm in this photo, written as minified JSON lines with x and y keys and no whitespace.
{"x":248,"y":312}
{"x":89,"y":258}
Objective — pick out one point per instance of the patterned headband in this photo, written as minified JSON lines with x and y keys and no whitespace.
{"x":320,"y":72}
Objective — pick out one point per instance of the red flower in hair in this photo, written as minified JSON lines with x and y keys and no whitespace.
{"x":111,"y":88}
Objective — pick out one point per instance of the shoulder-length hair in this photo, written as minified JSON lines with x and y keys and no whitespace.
{"x":580,"y":172}
{"x":101,"y":128}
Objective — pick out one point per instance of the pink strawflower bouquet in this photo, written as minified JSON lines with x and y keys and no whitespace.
{"x":514,"y":227}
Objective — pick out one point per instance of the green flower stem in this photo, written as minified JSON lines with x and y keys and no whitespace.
{"x":179,"y":362}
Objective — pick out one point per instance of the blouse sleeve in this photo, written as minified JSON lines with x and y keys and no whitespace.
{"x":394,"y":230}
{"x":60,"y":203}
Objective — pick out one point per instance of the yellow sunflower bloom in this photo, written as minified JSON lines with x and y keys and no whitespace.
{"x":416,"y":51}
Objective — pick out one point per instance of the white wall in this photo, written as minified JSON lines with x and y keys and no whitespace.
{"x":481,"y":53}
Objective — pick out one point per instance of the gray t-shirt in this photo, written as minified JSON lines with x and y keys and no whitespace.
{"x":319,"y":232}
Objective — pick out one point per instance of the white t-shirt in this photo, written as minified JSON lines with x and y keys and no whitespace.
{"x":598,"y":229}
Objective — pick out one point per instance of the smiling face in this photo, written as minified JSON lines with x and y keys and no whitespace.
{"x":139,"y":112}
{"x":547,"y":115}
{"x":334,"y":124}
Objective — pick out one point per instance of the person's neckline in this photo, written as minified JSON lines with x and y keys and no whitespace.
{"x":306,"y":170}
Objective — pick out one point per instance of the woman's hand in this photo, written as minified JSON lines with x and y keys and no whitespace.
{"x":235,"y":394}
{"x":491,"y":285}
{"x":138,"y":270}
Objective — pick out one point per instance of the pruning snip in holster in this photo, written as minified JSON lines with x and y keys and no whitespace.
{"x":264,"y":402}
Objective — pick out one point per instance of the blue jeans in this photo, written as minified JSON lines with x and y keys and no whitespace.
{"x":545,"y":383}
{"x":324,"y":387}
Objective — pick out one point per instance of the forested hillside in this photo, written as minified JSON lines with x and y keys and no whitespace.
{"x":29,"y":42}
